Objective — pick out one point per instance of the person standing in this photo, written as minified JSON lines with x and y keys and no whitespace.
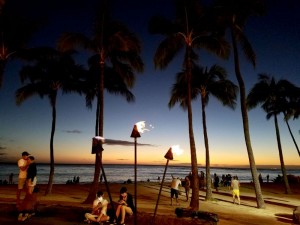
{"x":235,"y":185}
{"x":11,"y":178}
{"x":31,"y":175}
{"x":187,"y":186}
{"x":175,"y":189}
{"x":23,"y":165}
{"x":216,"y":182}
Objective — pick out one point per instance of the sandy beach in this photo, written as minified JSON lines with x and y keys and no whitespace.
{"x":64,"y":205}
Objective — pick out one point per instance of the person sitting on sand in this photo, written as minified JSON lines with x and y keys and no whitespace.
{"x":125,"y":205}
{"x":29,"y":205}
{"x":99,"y":210}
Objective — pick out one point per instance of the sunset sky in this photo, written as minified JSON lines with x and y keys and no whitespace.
{"x":274,"y":37}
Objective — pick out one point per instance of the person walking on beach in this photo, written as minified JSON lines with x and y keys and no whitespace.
{"x":187,"y":187}
{"x":23,"y":165}
{"x":31,"y":175}
{"x":99,"y":209}
{"x":235,"y":185}
{"x":175,"y":189}
{"x":125,"y":205}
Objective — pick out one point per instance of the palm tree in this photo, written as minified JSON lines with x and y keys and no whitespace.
{"x":116,"y":46}
{"x":205,"y":83}
{"x":113,"y":84}
{"x":273,"y":97}
{"x":292,"y":110}
{"x":50,"y":72}
{"x":233,"y":14}
{"x":186,"y":32}
{"x":15,"y":32}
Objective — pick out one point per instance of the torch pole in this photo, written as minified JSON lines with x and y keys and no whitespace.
{"x":135,"y":180}
{"x":161,"y":185}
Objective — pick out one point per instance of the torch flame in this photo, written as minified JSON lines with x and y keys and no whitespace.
{"x":177,"y":150}
{"x":141,"y":126}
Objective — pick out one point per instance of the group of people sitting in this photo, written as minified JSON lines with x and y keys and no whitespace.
{"x":102,"y":211}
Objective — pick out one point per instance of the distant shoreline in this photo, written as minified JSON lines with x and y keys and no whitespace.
{"x":177,"y":165}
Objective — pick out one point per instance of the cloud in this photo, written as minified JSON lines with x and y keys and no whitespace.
{"x":73,"y":131}
{"x":122,"y":159}
{"x":123,"y":143}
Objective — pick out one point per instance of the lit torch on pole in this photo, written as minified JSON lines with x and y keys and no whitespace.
{"x":137,"y":128}
{"x":168,"y":156}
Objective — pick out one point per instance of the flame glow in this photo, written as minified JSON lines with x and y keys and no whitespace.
{"x":141,"y":126}
{"x":177,"y":150}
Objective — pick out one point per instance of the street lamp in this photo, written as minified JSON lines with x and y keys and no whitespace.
{"x":168,"y":156}
{"x":135,"y":134}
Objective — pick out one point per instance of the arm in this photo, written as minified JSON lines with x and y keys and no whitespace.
{"x":22,"y":166}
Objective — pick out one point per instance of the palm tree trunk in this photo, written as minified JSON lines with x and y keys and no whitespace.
{"x":285,"y":179}
{"x":51,"y":175}
{"x":291,"y":133}
{"x":99,"y":124}
{"x":259,"y":197}
{"x":209,"y":196}
{"x":194,"y":204}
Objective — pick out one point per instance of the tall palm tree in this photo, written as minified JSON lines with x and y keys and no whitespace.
{"x":292,"y":111}
{"x":233,"y":14}
{"x":273,"y":97}
{"x":50,"y":72}
{"x":15,"y":32}
{"x":116,"y":46}
{"x":113,"y":84}
{"x":186,"y":32}
{"x":206,"y":83}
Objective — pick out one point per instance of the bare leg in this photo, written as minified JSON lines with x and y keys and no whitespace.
{"x":18,"y":196}
{"x":123,"y":213}
{"x":125,"y":210}
{"x":118,"y":211}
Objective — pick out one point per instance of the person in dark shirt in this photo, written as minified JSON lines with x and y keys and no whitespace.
{"x":125,"y":205}
{"x":31,"y":175}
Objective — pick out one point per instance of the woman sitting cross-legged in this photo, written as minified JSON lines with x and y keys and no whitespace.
{"x":125,"y":205}
{"x":99,"y":210}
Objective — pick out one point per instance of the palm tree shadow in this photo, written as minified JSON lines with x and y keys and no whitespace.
{"x":284,"y":218}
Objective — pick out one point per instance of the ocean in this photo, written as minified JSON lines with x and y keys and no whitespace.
{"x":121,"y":173}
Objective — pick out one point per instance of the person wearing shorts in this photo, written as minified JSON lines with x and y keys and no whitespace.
{"x":235,"y":185}
{"x":23,"y":165}
{"x":175,"y":189}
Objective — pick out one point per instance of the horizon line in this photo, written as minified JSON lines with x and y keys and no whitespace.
{"x":178,"y":164}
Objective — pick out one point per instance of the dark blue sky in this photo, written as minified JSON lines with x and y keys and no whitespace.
{"x":274,"y":37}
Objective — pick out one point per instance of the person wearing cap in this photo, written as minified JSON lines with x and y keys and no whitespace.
{"x":23,"y":165}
